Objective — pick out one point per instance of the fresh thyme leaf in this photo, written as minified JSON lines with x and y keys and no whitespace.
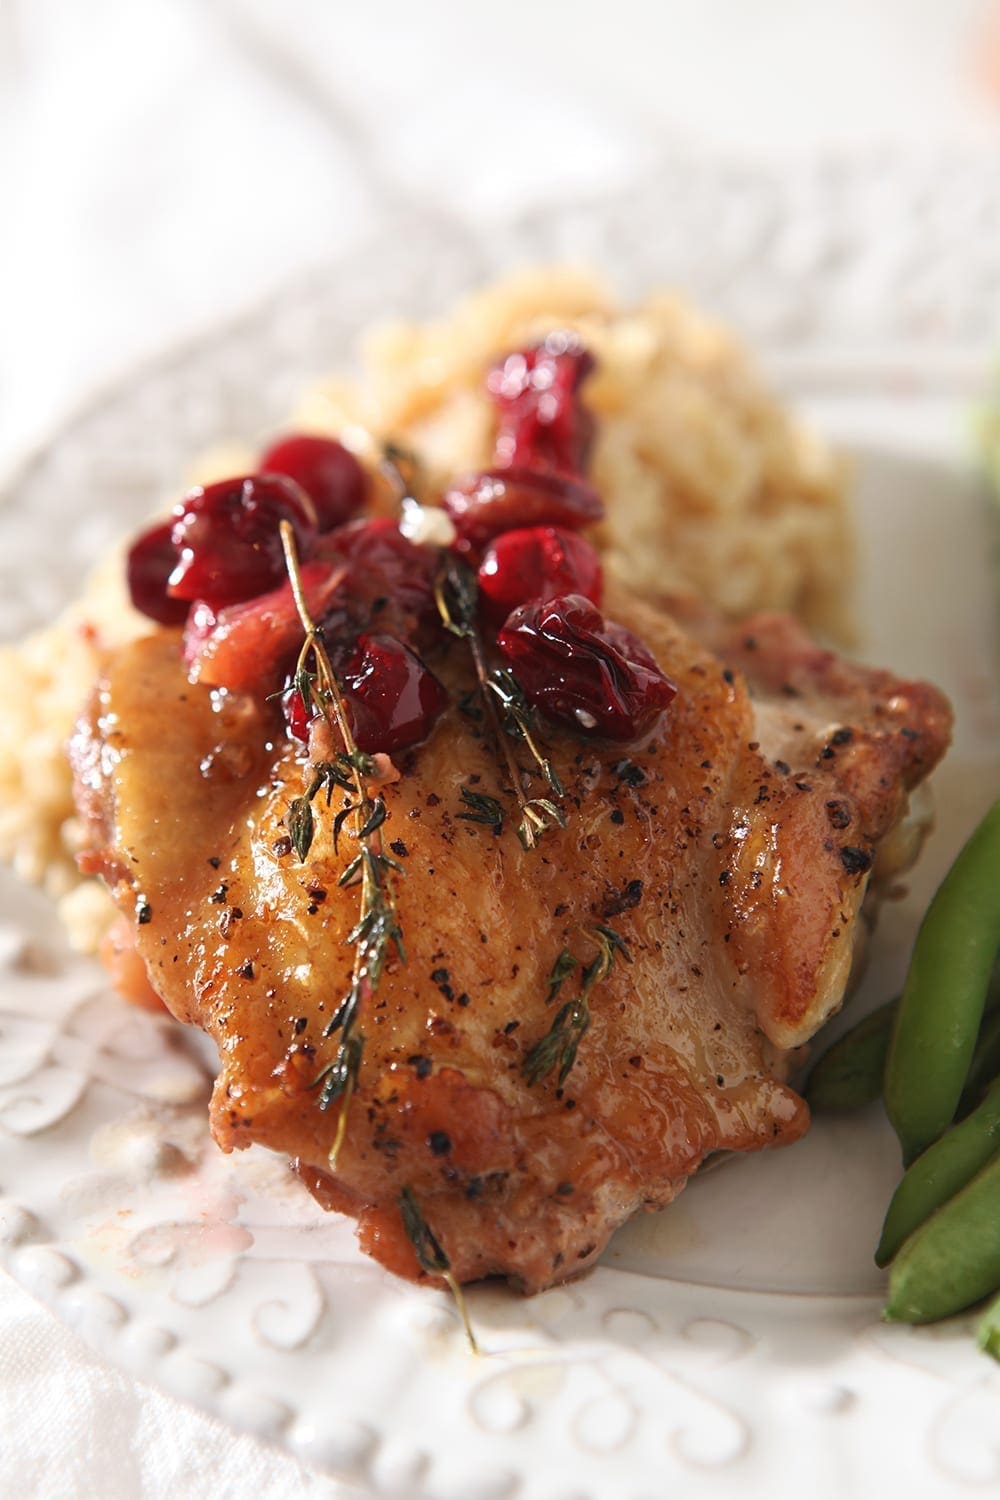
{"x":375,"y":819}
{"x":299,"y":823}
{"x":304,"y":681}
{"x":549,"y":811}
{"x":561,"y":970}
{"x":329,"y":775}
{"x":341,"y":1014}
{"x":430,"y":1256}
{"x":360,"y":761}
{"x":338,"y":824}
{"x":518,"y":720}
{"x":558,"y":1048}
{"x":342,"y":1073}
{"x":486,"y":810}
{"x":352,"y":872}
{"x":456,"y":593}
{"x":615,"y":939}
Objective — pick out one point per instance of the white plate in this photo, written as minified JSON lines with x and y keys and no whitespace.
{"x":728,"y":1342}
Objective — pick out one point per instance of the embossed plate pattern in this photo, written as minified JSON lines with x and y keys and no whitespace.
{"x":734,"y":1339}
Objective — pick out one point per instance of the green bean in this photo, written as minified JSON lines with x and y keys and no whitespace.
{"x":988,"y":1334}
{"x":953,"y":1260}
{"x":849,"y":1074}
{"x":985,"y":1065}
{"x":940,"y":1173}
{"x":943,"y":998}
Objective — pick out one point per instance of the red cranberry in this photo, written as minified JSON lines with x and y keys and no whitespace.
{"x":393,"y":699}
{"x":152,"y":558}
{"x":537,"y":562}
{"x":250,"y":647}
{"x":485,"y":504}
{"x":542,"y":422}
{"x":388,"y":581}
{"x":228,"y":540}
{"x":297,"y":716}
{"x":328,"y":472}
{"x":581,"y":670}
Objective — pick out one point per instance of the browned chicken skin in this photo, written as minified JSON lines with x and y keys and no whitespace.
{"x":730,"y":854}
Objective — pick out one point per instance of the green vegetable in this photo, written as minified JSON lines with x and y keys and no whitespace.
{"x":943,"y":999}
{"x":988,"y":1336}
{"x":985,"y":1065}
{"x":940,"y":1173}
{"x":953,"y":1260}
{"x":849,"y":1074}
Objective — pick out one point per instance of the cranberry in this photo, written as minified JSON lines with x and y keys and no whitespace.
{"x":584,"y":671}
{"x":393,"y":699}
{"x":541,"y":420}
{"x":537,"y":562}
{"x":152,"y":558}
{"x":485,"y":504}
{"x":249,"y":647}
{"x":388,"y":580}
{"x":328,"y":472}
{"x":228,"y":540}
{"x":297,"y":716}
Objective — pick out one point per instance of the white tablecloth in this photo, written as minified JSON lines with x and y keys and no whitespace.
{"x":165,"y":163}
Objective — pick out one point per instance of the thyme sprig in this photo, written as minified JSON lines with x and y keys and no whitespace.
{"x":558,"y":1048}
{"x":431,"y":1257}
{"x":482,"y":809}
{"x":505,"y":706}
{"x":377,"y":931}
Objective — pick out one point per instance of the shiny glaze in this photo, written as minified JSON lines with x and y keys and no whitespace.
{"x":720,"y":870}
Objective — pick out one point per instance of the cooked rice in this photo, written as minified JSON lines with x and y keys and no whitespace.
{"x":711,"y":485}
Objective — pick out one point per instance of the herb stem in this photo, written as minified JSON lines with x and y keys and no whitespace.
{"x":332,"y":694}
{"x":432,"y":1257}
{"x":377,"y":927}
{"x":456,"y":595}
{"x":529,"y":823}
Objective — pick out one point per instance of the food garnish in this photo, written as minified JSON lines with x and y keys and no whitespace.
{"x":502,"y":701}
{"x":557,"y":1049}
{"x":431,"y":1257}
{"x":377,"y":932}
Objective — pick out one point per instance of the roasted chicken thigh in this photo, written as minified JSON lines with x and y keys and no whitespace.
{"x":727,"y":856}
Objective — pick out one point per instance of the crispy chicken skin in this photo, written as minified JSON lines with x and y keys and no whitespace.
{"x":730,"y":853}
